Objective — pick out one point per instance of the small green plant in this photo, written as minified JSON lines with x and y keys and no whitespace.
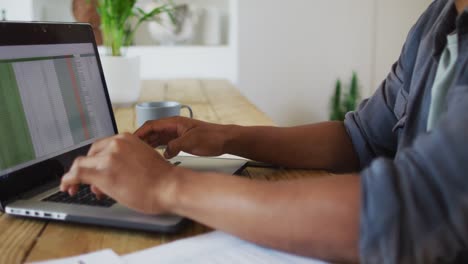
{"x":120,"y":19}
{"x":343,"y":102}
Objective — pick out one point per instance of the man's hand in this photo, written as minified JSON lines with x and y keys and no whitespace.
{"x":128,"y":170}
{"x":184,"y":134}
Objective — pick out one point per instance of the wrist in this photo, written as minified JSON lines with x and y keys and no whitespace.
{"x":171,"y":195}
{"x":231,"y":139}
{"x":166,"y":191}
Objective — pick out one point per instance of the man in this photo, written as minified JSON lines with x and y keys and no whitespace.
{"x":408,"y":204}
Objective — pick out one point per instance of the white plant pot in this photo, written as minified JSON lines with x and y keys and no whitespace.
{"x":123,"y":79}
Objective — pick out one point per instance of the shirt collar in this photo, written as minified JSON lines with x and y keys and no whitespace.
{"x":446,"y":24}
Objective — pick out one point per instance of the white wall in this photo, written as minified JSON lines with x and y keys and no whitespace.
{"x":290,"y":54}
{"x":47,"y":10}
{"x":17,"y":10}
{"x":394,"y":19}
{"x":53,"y":10}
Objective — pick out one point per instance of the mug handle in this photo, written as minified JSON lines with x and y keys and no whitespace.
{"x":188,"y":108}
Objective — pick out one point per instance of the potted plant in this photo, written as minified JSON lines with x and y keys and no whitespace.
{"x":119,"y":20}
{"x":342,"y":103}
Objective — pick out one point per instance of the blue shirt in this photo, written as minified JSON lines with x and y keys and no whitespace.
{"x":415,"y":182}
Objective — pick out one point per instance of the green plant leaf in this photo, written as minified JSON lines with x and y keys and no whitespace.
{"x":140,"y":11}
{"x":336,"y":113}
{"x":116,"y":17}
{"x":343,"y":102}
{"x":353,"y":94}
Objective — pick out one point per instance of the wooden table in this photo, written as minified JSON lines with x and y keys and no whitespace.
{"x":24,"y":240}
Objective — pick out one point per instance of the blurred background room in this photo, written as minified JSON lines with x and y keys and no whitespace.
{"x":284,"y":56}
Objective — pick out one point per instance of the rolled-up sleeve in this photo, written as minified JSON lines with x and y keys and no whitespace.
{"x":415,"y":207}
{"x":371,"y":126}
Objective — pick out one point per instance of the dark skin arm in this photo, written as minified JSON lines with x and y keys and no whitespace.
{"x":312,"y":217}
{"x":322,"y":215}
{"x":319,"y":146}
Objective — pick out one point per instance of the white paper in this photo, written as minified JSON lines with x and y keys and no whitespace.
{"x":99,"y":257}
{"x":211,"y":248}
{"x":225,"y":156}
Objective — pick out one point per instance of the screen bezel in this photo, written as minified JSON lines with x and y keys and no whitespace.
{"x":13,"y":185}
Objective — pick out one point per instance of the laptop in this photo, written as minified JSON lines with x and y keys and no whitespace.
{"x":53,"y":105}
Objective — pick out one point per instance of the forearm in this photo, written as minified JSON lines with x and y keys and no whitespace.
{"x":319,"y":146}
{"x":312,"y":217}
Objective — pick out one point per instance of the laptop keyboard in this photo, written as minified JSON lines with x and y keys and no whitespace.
{"x":84,"y":196}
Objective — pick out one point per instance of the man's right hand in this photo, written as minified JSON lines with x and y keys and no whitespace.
{"x":185,"y":134}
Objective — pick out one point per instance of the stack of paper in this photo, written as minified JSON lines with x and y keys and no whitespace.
{"x":211,"y":248}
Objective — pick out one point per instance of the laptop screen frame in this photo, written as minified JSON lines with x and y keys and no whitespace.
{"x":13,"y":185}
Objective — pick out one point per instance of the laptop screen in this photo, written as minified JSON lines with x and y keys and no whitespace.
{"x":52,"y":101}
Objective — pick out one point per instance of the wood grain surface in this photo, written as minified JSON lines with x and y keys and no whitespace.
{"x":213,"y":101}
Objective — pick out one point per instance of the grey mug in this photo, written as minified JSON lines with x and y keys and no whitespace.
{"x":159,"y":110}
